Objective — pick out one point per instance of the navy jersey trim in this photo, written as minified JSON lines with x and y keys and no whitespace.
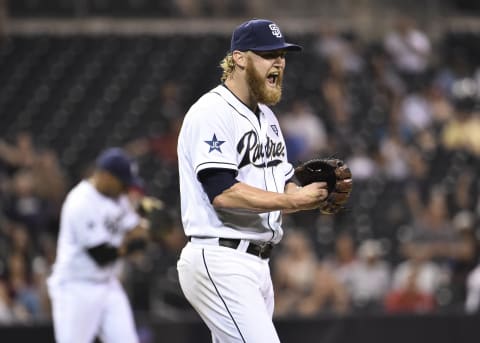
{"x":211,"y":162}
{"x":268,"y":213}
{"x":276,"y":188}
{"x":239,"y":100}
{"x":236,"y":110}
{"x":219,"y":295}
{"x":256,"y":131}
{"x":291,"y":168}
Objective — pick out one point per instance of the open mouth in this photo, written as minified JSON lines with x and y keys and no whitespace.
{"x":272,"y":78}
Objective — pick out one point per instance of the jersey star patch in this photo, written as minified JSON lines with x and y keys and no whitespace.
{"x":214,"y":144}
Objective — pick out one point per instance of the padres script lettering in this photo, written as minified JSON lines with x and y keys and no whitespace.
{"x":255,"y":153}
{"x":113,"y":224}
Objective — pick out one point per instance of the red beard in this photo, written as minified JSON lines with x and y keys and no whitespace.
{"x":259,"y":90}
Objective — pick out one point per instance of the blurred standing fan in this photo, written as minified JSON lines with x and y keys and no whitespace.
{"x":466,"y":94}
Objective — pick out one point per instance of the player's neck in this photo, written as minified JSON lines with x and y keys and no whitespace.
{"x":241,"y":91}
{"x":100,"y":186}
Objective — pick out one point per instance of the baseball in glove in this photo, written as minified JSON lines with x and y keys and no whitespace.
{"x":335,"y":173}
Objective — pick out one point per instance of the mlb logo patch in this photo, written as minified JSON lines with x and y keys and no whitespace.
{"x":274,"y":128}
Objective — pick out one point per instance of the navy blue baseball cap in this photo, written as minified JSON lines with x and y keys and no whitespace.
{"x":260,"y":35}
{"x":117,"y":162}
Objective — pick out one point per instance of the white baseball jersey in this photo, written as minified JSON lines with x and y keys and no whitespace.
{"x":88,"y":219}
{"x":219,"y":131}
{"x":88,"y":300}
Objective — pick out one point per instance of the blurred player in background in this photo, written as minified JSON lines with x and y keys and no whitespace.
{"x":98,"y":225}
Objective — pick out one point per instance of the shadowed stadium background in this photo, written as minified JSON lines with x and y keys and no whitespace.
{"x":392,"y":87}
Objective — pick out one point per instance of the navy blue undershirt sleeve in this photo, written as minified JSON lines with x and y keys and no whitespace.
{"x":216,"y":180}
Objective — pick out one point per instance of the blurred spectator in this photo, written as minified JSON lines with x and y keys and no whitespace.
{"x":163,"y":146}
{"x":476,"y":76}
{"x":468,"y":256}
{"x":294,"y":273}
{"x":161,"y":141}
{"x":20,"y":274}
{"x":25,"y":294}
{"x":432,"y":235}
{"x":305,"y":134}
{"x":370,"y":277}
{"x":40,"y":272}
{"x":171,"y":100}
{"x":6,"y":314}
{"x":33,"y":187}
{"x":385,"y":78}
{"x":440,"y":104}
{"x":151,"y":279}
{"x":330,"y":44}
{"x":47,"y":250}
{"x":450,"y":244}
{"x":37,"y":184}
{"x":427,"y":142}
{"x":21,"y":154}
{"x":455,"y":66}
{"x":51,"y":181}
{"x":168,"y":299}
{"x":463,"y":195}
{"x":20,"y":241}
{"x":462,"y":132}
{"x":412,"y":290}
{"x":336,"y":96}
{"x":409,"y":48}
{"x":426,"y":276}
{"x":394,"y":154}
{"x":470,"y":278}
{"x":343,"y":261}
{"x":25,"y":206}
{"x":472,"y":303}
{"x":361,"y":161}
{"x":418,"y":183}
{"x":304,"y":287}
{"x":415,"y":112}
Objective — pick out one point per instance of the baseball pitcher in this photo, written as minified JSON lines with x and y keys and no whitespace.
{"x":235,"y":183}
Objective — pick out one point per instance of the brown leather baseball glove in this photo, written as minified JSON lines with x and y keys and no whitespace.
{"x":335,"y":173}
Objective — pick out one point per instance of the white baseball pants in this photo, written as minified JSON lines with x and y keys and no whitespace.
{"x":231,"y":290}
{"x":82,"y":310}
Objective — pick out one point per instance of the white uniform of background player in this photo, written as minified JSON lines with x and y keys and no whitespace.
{"x":87,"y":298}
{"x":224,"y":270}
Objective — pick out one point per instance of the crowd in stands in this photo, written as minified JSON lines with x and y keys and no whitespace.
{"x":404,"y":115}
{"x":32,"y":187}
{"x":413,"y":153}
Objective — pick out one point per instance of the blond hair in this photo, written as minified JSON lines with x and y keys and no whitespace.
{"x":228,"y":66}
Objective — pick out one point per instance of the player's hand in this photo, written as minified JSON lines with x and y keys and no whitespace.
{"x":310,"y":196}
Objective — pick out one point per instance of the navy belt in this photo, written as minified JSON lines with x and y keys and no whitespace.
{"x":260,"y":250}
